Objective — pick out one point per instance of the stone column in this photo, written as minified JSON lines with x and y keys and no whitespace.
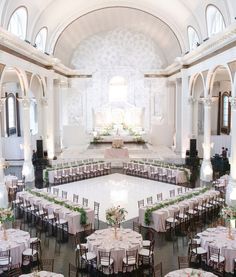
{"x":178,"y":123}
{"x":191,"y":102}
{"x":50,"y":119}
{"x":28,"y":169}
{"x":44,"y":110}
{"x":231,"y":188}
{"x":3,"y":189}
{"x":206,"y":168}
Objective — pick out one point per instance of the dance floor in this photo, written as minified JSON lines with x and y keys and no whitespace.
{"x":117,"y":189}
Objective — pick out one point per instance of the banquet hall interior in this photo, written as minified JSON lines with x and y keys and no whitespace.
{"x":118,"y":138}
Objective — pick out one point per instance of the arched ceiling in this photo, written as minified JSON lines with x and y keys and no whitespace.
{"x":70,"y":21}
{"x":104,"y":20}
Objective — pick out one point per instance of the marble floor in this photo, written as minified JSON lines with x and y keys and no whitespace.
{"x":117,"y":189}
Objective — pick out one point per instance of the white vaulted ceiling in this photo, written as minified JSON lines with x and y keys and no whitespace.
{"x":71,"y":21}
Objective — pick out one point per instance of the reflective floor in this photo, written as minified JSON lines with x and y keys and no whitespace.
{"x":117,"y":189}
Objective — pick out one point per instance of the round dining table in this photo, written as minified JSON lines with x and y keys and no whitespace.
{"x":127,"y":239}
{"x":42,"y":274}
{"x":187,"y":272}
{"x":16,"y":241}
{"x":218,"y":237}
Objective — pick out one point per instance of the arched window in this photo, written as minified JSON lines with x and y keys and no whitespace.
{"x":11,"y":114}
{"x":192,"y":38}
{"x":18,"y":23}
{"x":118,"y":89}
{"x":215,"y":20}
{"x":41,"y":38}
{"x":225,"y":113}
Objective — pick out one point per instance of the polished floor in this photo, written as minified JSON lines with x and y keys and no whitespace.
{"x":117,"y":189}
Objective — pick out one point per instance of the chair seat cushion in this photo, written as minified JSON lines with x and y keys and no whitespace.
{"x":215,"y":259}
{"x":29,"y":252}
{"x":145,"y":252}
{"x":83,"y":244}
{"x":105,"y":261}
{"x":183,"y":216}
{"x":131,"y":261}
{"x":4,"y":261}
{"x":61,"y":222}
{"x":33,"y":239}
{"x":171,"y":220}
{"x":199,"y":251}
{"x":90,"y":256}
{"x":146,"y":243}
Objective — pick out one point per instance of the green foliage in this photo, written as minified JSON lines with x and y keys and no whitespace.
{"x":166,"y":203}
{"x":83,"y":215}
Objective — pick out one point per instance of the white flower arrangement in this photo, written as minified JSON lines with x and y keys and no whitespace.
{"x":6,"y":215}
{"x":115,"y":215}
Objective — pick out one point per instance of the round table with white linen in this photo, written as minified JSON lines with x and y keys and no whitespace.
{"x":8,"y":180}
{"x":17,"y":241}
{"x":42,"y":274}
{"x":218,"y":237}
{"x":186,"y":272}
{"x":127,"y":239}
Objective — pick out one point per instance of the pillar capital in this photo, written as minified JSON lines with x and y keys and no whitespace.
{"x":44,"y":101}
{"x":207,"y":101}
{"x":2,"y":103}
{"x":191,"y":100}
{"x":232,"y":101}
{"x":25,"y":102}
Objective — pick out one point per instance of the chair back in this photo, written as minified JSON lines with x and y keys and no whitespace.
{"x":131,"y":255}
{"x":158,"y":270}
{"x":47,"y":264}
{"x":180,"y":190}
{"x":141,"y":203}
{"x":183,"y":262}
{"x":172,"y":193}
{"x":85,"y":202}
{"x":14,"y":271}
{"x":73,"y":271}
{"x":96,"y":208}
{"x":214,"y":253}
{"x":55,"y":191}
{"x":149,"y":200}
{"x":159,"y":197}
{"x":76,"y":198}
{"x":176,"y":214}
{"x":64,"y":194}
{"x":5,"y":256}
{"x":104,"y":256}
{"x":136,"y":227}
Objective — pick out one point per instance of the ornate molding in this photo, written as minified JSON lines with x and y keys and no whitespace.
{"x":191,"y":100}
{"x":207,"y":101}
{"x":232,"y":101}
{"x":2,"y":103}
{"x":44,"y":101}
{"x":25,"y":102}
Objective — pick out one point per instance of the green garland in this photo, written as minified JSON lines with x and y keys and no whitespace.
{"x":164,"y":204}
{"x":83,"y":215}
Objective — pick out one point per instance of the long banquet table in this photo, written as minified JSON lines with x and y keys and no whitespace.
{"x":17,"y":241}
{"x":72,"y":217}
{"x":105,"y":240}
{"x":218,"y":237}
{"x":159,"y":216}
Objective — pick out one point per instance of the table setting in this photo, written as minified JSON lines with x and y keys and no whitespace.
{"x":42,"y":274}
{"x":190,"y":272}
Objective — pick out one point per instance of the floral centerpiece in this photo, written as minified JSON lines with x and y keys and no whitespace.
{"x":114,"y":216}
{"x":6,"y":215}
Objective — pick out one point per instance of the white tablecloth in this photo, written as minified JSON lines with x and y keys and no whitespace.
{"x":42,"y":274}
{"x":218,"y":237}
{"x":17,"y":241}
{"x":116,"y":153}
{"x":187,"y":272}
{"x":72,"y":217}
{"x":159,"y":216}
{"x":105,"y":240}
